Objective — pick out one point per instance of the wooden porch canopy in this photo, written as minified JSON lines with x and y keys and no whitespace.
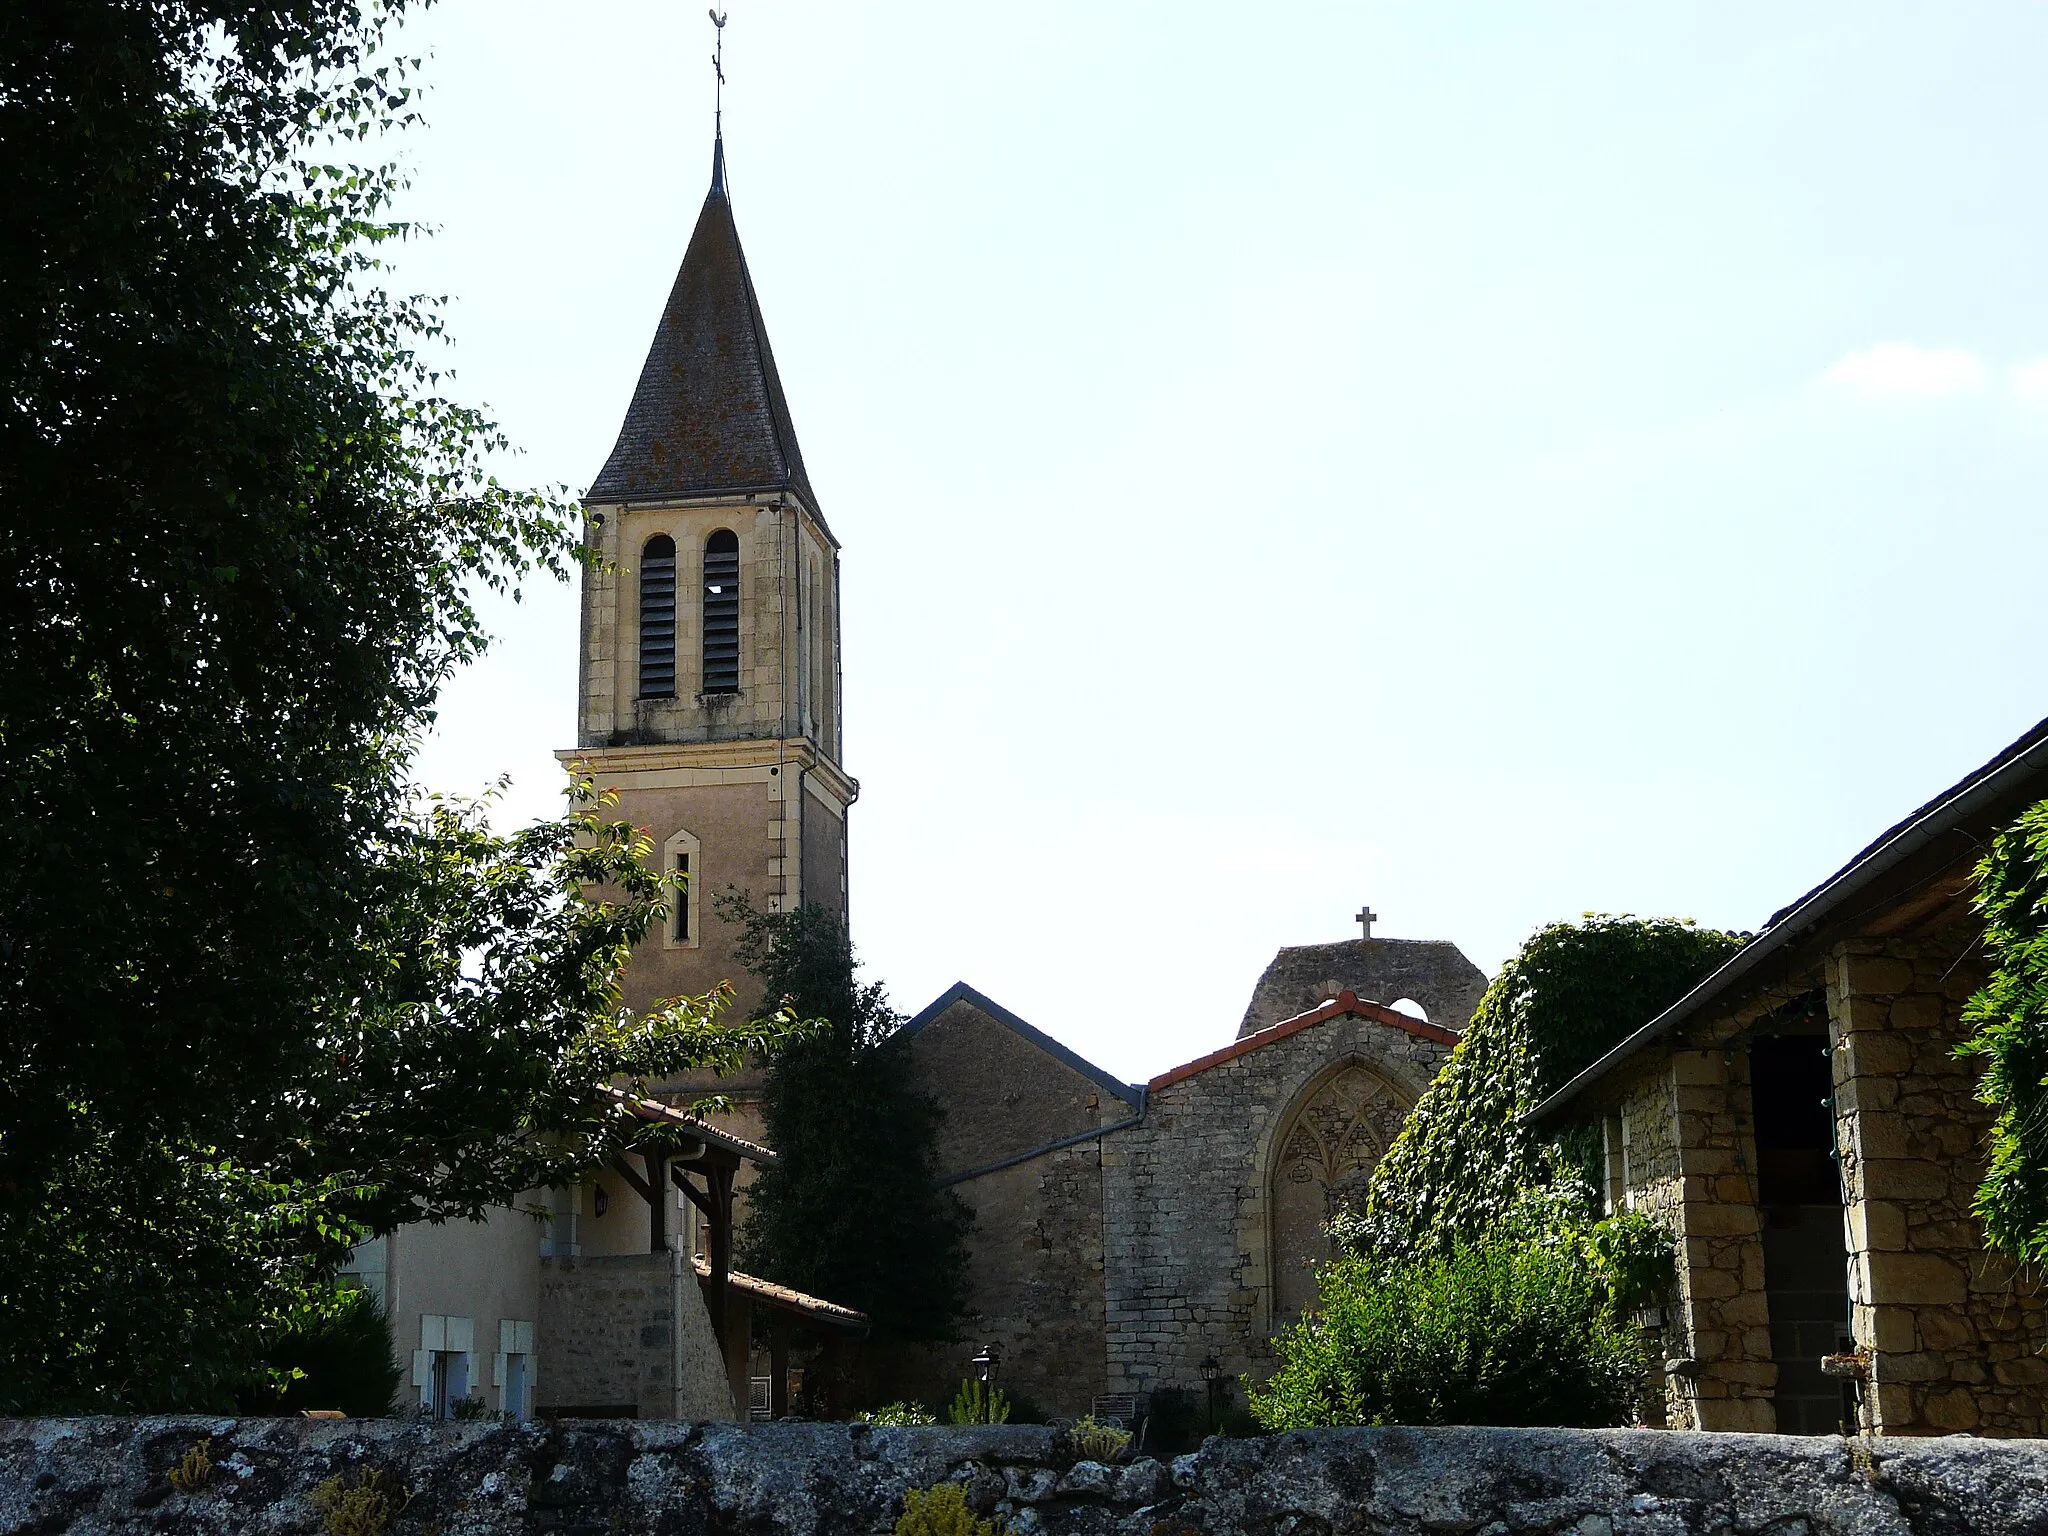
{"x":788,"y":1310}
{"x":701,"y":1161}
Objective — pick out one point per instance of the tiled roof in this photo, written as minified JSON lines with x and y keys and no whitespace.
{"x":789,"y":1300}
{"x":695,"y":1125}
{"x":708,"y":416}
{"x":1342,"y":1003}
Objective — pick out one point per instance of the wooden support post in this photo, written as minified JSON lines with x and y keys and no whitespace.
{"x":657,"y":1199}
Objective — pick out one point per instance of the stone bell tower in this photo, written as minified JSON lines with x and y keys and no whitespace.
{"x":709,"y":687}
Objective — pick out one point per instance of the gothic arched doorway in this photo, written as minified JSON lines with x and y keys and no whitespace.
{"x":1342,"y":1127}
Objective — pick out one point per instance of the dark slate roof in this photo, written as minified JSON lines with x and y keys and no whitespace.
{"x":708,"y":416}
{"x":960,"y":992}
{"x":1946,"y":833}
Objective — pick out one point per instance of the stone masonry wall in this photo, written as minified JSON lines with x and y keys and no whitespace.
{"x":95,"y":1476}
{"x":1954,"y":1334}
{"x":605,"y":1323}
{"x":1035,"y":1265}
{"x":1432,"y":972}
{"x":1187,"y":1234}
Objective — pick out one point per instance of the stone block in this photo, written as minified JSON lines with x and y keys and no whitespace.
{"x":1878,"y":1134}
{"x":2027,"y":1371}
{"x":1943,"y":1329}
{"x":1915,"y":1279}
{"x":1876,"y":1053}
{"x":1720,"y":1220}
{"x":1954,"y":1410}
{"x":1912,"y":1365}
{"x":1919,"y":1010}
{"x":1877,"y":1225}
{"x":1891,"y":1330}
{"x":1895,"y":1178}
{"x":1699,"y":1068}
{"x":1746,"y":1308}
{"x":1880,"y":975}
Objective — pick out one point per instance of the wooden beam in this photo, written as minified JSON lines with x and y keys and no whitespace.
{"x":657,"y":1199}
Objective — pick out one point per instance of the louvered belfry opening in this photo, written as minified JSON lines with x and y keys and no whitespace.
{"x":658,"y":618}
{"x":722,"y":612}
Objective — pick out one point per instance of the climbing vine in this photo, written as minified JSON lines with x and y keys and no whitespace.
{"x":1466,"y":1154}
{"x":2008,"y":1018}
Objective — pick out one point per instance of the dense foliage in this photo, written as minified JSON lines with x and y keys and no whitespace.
{"x":1466,"y":1154}
{"x":2008,"y":1018}
{"x":1513,"y":1328}
{"x":254,"y":1000}
{"x":335,"y":1351}
{"x":848,"y":1211}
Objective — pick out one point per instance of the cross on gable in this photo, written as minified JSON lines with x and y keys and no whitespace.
{"x":1365,"y":919}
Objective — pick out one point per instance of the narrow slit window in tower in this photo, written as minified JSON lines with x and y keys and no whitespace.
{"x":722,"y":612}
{"x":658,"y":618}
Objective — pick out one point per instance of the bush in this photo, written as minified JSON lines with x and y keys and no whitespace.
{"x":1510,"y":1330}
{"x":1093,"y":1441}
{"x":341,"y":1345}
{"x":940,"y":1511}
{"x":1635,"y":1258}
{"x":897,"y":1415}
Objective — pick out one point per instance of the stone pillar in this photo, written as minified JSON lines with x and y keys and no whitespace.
{"x":1953,"y":1334}
{"x":1720,"y":1247}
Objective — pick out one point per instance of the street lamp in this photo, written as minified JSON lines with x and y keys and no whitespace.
{"x":1212,"y":1379}
{"x":988,"y":1362}
{"x":986,"y":1365}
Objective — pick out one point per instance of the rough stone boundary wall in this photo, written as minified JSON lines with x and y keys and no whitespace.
{"x":611,"y":1479}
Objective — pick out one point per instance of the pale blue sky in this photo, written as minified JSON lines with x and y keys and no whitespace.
{"x":1494,"y":462}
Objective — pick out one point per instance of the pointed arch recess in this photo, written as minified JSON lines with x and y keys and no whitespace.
{"x":1334,"y":1134}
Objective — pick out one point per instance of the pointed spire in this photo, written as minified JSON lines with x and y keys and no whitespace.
{"x":708,"y":416}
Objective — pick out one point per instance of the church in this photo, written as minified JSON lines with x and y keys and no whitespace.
{"x":1129,"y":1237}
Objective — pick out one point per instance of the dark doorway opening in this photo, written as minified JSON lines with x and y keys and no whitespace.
{"x":1806,"y":1259}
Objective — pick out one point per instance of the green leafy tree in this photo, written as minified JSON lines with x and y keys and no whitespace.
{"x":1467,"y":1154}
{"x":2008,"y":1018}
{"x":255,"y":1000}
{"x":849,"y":1211}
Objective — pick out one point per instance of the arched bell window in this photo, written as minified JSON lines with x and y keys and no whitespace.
{"x":658,"y":618}
{"x":722,"y":612}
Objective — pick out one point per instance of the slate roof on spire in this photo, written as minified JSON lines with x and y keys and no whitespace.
{"x":708,"y":416}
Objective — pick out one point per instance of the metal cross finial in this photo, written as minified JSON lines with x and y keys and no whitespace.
{"x":1366,"y":918}
{"x":718,"y":69}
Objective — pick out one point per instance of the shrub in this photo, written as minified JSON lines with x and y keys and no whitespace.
{"x":341,"y":1348}
{"x":1635,"y":1258}
{"x":1098,"y":1442}
{"x":976,"y":1404}
{"x":898,"y":1414}
{"x":1506,"y":1331}
{"x":941,"y":1511}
